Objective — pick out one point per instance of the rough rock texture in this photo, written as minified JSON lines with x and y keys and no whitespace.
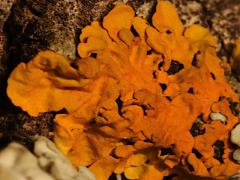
{"x":5,"y":7}
{"x":221,"y":17}
{"x":48,"y":24}
{"x":21,"y":128}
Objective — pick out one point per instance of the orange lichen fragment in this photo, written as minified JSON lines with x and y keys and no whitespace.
{"x":124,"y":150}
{"x":172,"y":46}
{"x":137,"y":93}
{"x":91,"y":33}
{"x":152,"y":172}
{"x":140,"y":25}
{"x":93,"y":44}
{"x":119,"y":18}
{"x":134,"y":172}
{"x":103,"y":168}
{"x":80,"y":143}
{"x":166,"y":18}
{"x":48,"y":82}
{"x":199,"y":37}
{"x":171,"y":161}
{"x":203,"y":143}
{"x":144,"y":164}
{"x":63,"y":133}
{"x":198,"y":166}
{"x":136,"y":160}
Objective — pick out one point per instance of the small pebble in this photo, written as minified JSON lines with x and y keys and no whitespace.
{"x":218,"y":117}
{"x":118,"y":177}
{"x":235,"y":135}
{"x":236,"y":155}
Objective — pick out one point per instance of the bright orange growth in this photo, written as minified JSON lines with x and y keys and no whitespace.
{"x":141,"y":94}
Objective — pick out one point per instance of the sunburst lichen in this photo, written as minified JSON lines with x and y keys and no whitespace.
{"x":134,"y":96}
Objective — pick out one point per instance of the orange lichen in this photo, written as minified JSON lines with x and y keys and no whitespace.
{"x":131,"y":97}
{"x":166,"y":18}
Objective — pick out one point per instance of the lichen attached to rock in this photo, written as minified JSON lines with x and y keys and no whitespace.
{"x":136,"y":91}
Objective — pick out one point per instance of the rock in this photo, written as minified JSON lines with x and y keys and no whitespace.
{"x":35,"y":25}
{"x":14,"y":155}
{"x":53,"y":161}
{"x":118,"y":177}
{"x":48,"y":163}
{"x":83,"y":172}
{"x":43,"y":147}
{"x":235,"y":135}
{"x":216,"y":116}
{"x":5,"y":6}
{"x":18,"y":161}
{"x":21,"y":127}
{"x":9,"y":174}
{"x":37,"y":174}
{"x":235,"y":177}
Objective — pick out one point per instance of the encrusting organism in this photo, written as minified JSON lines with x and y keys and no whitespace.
{"x":138,"y":90}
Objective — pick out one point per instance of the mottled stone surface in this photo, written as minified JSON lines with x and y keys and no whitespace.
{"x":5,"y":7}
{"x":221,"y":17}
{"x":48,"y":24}
{"x":21,"y":128}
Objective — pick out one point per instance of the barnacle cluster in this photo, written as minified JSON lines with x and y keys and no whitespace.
{"x":135,"y":96}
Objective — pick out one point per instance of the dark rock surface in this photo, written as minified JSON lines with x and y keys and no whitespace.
{"x":21,"y":128}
